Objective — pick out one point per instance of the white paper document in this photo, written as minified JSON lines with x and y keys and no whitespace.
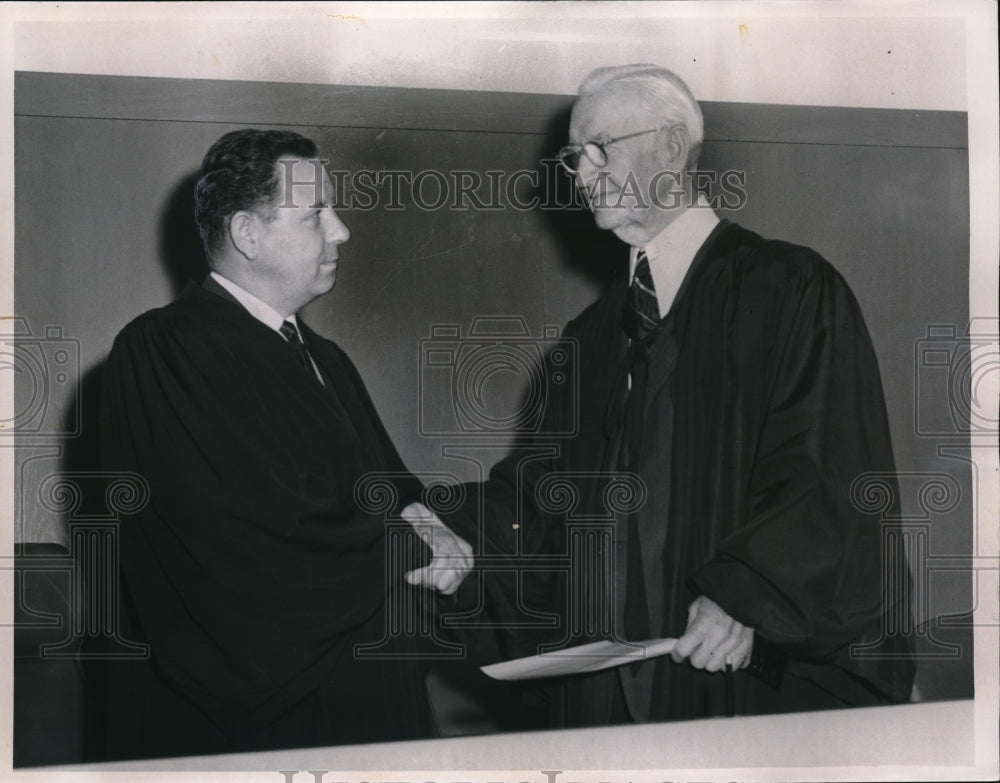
{"x":577,"y":660}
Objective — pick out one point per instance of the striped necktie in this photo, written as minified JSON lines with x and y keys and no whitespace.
{"x":641,"y":316}
{"x":291,"y":334}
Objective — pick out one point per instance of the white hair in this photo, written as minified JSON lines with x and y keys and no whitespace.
{"x":664,"y":93}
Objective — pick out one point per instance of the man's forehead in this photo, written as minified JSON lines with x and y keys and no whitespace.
{"x":303,"y":175}
{"x":300,"y":170}
{"x":610,"y":111}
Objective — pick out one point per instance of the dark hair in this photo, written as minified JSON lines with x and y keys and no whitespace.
{"x":238,"y":172}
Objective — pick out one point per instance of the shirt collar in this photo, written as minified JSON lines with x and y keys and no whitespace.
{"x":260,"y":310}
{"x":671,"y":251}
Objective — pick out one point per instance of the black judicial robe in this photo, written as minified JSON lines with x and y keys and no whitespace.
{"x":252,"y":570}
{"x":764,"y":405}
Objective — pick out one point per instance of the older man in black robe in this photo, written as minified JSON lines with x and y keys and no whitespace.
{"x":254,"y":572}
{"x":734,"y":376}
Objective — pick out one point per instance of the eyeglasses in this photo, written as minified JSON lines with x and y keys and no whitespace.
{"x":596,"y":151}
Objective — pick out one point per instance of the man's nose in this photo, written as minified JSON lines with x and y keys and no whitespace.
{"x":336,"y":232}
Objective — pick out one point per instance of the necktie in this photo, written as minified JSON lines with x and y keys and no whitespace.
{"x":641,"y":316}
{"x":291,"y":334}
{"x":640,"y":320}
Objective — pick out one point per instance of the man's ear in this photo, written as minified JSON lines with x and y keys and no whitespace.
{"x":679,"y":146}
{"x":243,"y":232}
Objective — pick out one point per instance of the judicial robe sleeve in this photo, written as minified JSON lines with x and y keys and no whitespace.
{"x":806,"y":567}
{"x":502,"y":518}
{"x":252,"y":566}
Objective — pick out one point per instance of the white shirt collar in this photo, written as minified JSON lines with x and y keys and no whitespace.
{"x":671,"y":251}
{"x":260,"y":310}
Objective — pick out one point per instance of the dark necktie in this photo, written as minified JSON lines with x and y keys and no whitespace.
{"x":291,"y":334}
{"x":640,"y":320}
{"x":641,"y":316}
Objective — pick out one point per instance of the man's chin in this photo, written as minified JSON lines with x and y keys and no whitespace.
{"x":618,"y":222}
{"x":326,"y":283}
{"x":608,"y":219}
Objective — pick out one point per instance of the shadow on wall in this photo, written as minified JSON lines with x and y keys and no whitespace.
{"x":61,"y":703}
{"x":181,"y":250}
{"x":584,"y":249}
{"x":183,"y":259}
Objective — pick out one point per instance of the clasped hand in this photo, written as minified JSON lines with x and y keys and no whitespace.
{"x":451,"y":555}
{"x":713,"y":638}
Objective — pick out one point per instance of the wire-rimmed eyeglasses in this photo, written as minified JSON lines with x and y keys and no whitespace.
{"x":596,"y":151}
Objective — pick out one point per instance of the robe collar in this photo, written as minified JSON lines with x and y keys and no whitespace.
{"x":672,"y":251}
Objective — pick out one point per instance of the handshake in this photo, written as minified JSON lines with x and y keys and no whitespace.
{"x":451,"y":555}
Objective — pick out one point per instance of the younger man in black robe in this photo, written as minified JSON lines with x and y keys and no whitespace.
{"x":253,"y":571}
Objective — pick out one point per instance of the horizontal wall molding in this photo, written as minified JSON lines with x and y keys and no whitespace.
{"x":278,"y":103}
